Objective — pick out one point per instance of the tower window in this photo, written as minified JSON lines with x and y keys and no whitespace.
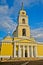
{"x":23,"y":21}
{"x":24,"y":32}
{"x":23,"y":13}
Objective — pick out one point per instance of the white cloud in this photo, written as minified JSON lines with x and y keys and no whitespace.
{"x":37,"y":34}
{"x":3,"y":10}
{"x":8,"y":24}
{"x":5,"y":21}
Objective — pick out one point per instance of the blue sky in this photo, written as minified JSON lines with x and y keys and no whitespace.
{"x":9,"y":10}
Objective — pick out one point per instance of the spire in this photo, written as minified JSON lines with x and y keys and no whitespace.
{"x":22,"y":6}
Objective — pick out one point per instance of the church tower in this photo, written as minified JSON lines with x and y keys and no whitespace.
{"x":23,"y":29}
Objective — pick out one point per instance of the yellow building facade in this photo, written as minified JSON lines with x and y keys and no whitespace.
{"x":21,"y":44}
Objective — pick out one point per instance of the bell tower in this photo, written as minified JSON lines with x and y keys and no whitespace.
{"x":23,"y":27}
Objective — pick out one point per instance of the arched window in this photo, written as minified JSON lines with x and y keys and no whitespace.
{"x":23,"y":12}
{"x":24,"y":32}
{"x":23,"y":21}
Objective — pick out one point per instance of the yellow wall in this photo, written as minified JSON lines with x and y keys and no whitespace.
{"x":40,"y":49}
{"x":6,"y":49}
{"x":20,"y":31}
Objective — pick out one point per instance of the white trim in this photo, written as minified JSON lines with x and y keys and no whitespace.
{"x":5,"y":56}
{"x":15,"y":50}
{"x":40,"y":56}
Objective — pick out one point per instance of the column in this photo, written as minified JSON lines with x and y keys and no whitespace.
{"x":14,"y":49}
{"x":35,"y":51}
{"x":32,"y":51}
{"x":23,"y":51}
{"x":19,"y":51}
{"x":27,"y":51}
